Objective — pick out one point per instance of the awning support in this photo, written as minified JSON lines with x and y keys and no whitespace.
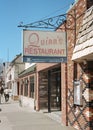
{"x":52,"y":23}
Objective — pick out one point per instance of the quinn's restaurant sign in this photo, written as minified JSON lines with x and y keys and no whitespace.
{"x":43,"y":46}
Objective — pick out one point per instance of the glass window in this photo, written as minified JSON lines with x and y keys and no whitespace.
{"x":26,"y":87}
{"x":21,"y":89}
{"x":32,"y":87}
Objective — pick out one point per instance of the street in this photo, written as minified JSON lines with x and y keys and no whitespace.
{"x":14,"y":117}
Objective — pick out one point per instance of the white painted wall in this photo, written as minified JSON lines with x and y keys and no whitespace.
{"x":27,"y":102}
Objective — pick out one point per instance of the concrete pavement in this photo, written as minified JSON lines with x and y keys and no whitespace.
{"x":14,"y":117}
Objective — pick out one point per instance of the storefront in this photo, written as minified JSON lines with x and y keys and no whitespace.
{"x":41,"y":84}
{"x":67,"y":87}
{"x":27,"y":86}
{"x":50,"y":89}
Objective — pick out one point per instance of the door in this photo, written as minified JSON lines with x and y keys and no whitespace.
{"x":55,"y":94}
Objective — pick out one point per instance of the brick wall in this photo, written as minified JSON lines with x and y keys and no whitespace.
{"x":78,"y":116}
{"x":77,"y":11}
{"x":64,"y":93}
{"x":42,"y":66}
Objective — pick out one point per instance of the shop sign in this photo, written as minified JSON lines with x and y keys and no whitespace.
{"x":44,"y":46}
{"x":78,"y":92}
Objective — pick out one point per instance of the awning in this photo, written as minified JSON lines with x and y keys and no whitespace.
{"x":84,"y":44}
{"x":30,"y":70}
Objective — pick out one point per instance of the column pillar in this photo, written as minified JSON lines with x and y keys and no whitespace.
{"x":64,"y":92}
{"x":37,"y":92}
{"x":29,"y":86}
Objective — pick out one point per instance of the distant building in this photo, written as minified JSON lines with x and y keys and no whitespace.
{"x":5,"y":66}
{"x":12,"y":71}
{"x":2,"y":75}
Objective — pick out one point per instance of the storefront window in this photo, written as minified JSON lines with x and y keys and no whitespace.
{"x":26,"y":87}
{"x":32,"y":87}
{"x":21,"y":89}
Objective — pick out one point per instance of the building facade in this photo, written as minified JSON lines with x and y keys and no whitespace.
{"x":79,"y":67}
{"x":12,"y":71}
{"x":48,"y":87}
{"x":27,"y":86}
{"x":66,"y":87}
{"x":35,"y":86}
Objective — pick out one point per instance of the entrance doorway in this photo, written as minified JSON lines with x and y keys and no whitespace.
{"x":54,"y":90}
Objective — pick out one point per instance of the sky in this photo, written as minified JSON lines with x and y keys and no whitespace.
{"x":13,"y":12}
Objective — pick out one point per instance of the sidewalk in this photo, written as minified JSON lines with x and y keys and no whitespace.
{"x":14,"y":117}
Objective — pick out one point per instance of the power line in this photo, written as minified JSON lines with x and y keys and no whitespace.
{"x":34,"y":24}
{"x":58,"y":10}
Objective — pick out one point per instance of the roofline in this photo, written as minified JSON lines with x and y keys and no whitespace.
{"x":17,"y":56}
